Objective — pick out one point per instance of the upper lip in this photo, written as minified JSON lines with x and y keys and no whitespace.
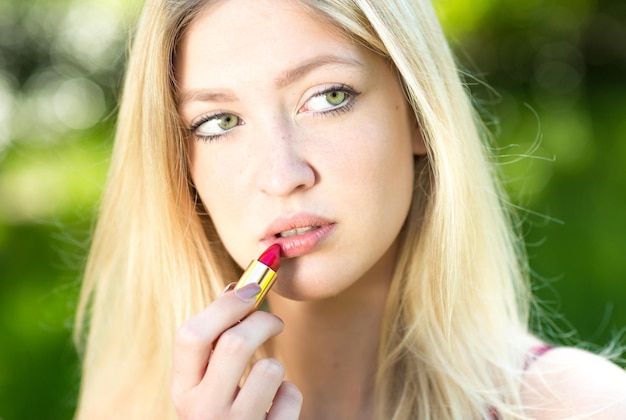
{"x":286,"y":223}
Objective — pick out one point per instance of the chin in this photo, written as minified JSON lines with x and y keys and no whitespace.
{"x":303,"y":283}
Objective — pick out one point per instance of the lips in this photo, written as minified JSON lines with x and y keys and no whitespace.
{"x":296,"y":231}
{"x":300,"y":234}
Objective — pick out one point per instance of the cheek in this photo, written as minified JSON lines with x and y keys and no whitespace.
{"x":379,"y":148}
{"x":219,"y":187}
{"x":382,"y":163}
{"x":215,"y":170}
{"x":216,"y":183}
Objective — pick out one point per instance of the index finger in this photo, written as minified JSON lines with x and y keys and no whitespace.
{"x":194,"y":339}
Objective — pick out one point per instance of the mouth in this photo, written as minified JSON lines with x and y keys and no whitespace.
{"x":296,"y":231}
{"x":299,"y":234}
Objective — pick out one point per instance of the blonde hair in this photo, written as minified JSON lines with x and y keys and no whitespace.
{"x":455,"y":325}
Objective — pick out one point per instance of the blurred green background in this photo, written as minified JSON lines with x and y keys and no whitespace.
{"x":554,"y":96}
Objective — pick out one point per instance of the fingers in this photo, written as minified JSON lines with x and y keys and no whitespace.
{"x":211,"y":353}
{"x":287,"y":403}
{"x":233,"y":351}
{"x":257,"y":393}
{"x":265,"y":390}
{"x":194,"y":339}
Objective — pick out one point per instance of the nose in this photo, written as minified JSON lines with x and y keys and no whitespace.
{"x":283,"y":167}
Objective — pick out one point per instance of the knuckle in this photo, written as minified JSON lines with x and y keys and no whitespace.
{"x":189,"y":335}
{"x":233,"y":342}
{"x":270,"y":368}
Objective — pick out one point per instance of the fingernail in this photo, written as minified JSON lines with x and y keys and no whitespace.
{"x":248,"y":292}
{"x":228,"y":288}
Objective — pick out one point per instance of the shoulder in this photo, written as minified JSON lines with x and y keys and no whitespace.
{"x":567,"y":382}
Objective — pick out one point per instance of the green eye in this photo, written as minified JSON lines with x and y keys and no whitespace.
{"x":226,"y":122}
{"x":211,"y":127}
{"x":336,"y":97}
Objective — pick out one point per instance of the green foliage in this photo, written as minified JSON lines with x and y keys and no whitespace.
{"x":556,"y":109}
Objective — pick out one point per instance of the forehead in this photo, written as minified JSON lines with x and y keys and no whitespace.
{"x":247,"y":17}
{"x":234,"y":38}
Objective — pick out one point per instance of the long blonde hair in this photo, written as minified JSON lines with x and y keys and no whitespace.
{"x":455,"y":324}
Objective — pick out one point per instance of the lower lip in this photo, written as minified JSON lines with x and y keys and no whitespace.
{"x":295,"y":246}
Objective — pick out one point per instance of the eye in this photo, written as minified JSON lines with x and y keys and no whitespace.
{"x":333,"y":98}
{"x":210,"y":127}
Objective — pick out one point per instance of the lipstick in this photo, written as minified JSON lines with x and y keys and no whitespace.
{"x":262,"y":272}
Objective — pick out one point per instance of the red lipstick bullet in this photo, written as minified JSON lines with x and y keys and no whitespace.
{"x":271,"y":257}
{"x":262,"y":272}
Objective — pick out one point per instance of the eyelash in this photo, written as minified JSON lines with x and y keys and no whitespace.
{"x":339,"y":109}
{"x":208,"y":117}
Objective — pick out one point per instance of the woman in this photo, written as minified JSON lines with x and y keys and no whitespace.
{"x":340,"y":131}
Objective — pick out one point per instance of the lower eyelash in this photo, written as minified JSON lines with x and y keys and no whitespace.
{"x":341,"y":109}
{"x":206,"y":138}
{"x":353,"y":94}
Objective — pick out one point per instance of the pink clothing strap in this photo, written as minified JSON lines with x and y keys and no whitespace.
{"x":535,"y":353}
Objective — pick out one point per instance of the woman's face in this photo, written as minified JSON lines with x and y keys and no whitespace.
{"x":299,"y":137}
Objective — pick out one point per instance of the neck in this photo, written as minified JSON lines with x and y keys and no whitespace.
{"x":330,"y":347}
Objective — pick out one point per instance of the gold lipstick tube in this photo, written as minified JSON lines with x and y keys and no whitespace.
{"x":261,"y":274}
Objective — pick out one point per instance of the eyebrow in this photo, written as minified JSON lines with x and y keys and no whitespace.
{"x":206,"y":95}
{"x":308,"y":66}
{"x":285,"y":79}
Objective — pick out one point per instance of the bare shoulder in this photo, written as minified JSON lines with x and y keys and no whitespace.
{"x":567,"y":382}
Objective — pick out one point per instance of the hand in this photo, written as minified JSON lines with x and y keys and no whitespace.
{"x":211,"y":353}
